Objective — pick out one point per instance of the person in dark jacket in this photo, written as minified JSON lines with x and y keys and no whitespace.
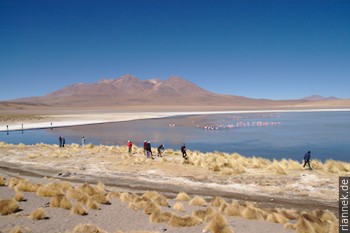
{"x":160,"y":150}
{"x":145,"y":147}
{"x":307,"y":157}
{"x":60,"y":139}
{"x":183,"y":151}
{"x":149,"y":150}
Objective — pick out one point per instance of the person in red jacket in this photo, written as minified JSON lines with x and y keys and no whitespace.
{"x":129,"y":147}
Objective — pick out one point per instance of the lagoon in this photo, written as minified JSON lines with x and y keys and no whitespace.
{"x":269,"y":135}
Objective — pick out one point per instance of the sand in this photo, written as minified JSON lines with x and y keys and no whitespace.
{"x":204,"y":175}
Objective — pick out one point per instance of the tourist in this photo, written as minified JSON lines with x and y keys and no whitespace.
{"x":183,"y":150}
{"x":160,"y":150}
{"x":129,"y":147}
{"x":145,"y":144}
{"x":63,"y":142}
{"x":149,"y":150}
{"x":307,"y":157}
{"x":60,"y":140}
{"x":83,"y":140}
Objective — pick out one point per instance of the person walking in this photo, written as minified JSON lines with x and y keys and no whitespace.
{"x":307,"y":157}
{"x":130,"y":147}
{"x":60,"y":139}
{"x":145,"y":144}
{"x":149,"y":150}
{"x":160,"y":150}
{"x":83,"y":140}
{"x":183,"y":151}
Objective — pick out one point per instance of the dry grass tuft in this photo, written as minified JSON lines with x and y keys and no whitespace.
{"x":18,"y":229}
{"x":8,"y":207}
{"x":198,"y":201}
{"x":178,"y":206}
{"x":251,"y":212}
{"x":158,"y":216}
{"x":100,"y":187}
{"x":101,"y":199}
{"x":149,"y":207}
{"x":87,"y":189}
{"x":77,"y":195}
{"x":38,"y":214}
{"x":182,"y":196}
{"x":276,"y":218}
{"x":125,"y":197}
{"x":25,"y":186}
{"x":204,"y":215}
{"x":13,"y":181}
{"x":91,"y":204}
{"x":188,"y":221}
{"x":60,"y":201}
{"x":2,"y":181}
{"x":218,"y":224}
{"x":217,"y":201}
{"x":78,"y":209}
{"x":19,"y":197}
{"x":113,"y":195}
{"x":87,"y":228}
{"x":49,"y":191}
{"x":304,"y":226}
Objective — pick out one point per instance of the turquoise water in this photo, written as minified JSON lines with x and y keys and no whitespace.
{"x":269,"y":135}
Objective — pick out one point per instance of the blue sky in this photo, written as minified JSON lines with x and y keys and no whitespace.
{"x":261,"y":49}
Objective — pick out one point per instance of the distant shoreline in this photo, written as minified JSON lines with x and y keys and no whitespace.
{"x":68,"y":120}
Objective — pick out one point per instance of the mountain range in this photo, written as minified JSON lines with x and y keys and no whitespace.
{"x":131,"y":91}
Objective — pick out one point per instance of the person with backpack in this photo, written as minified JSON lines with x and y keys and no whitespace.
{"x":160,"y":150}
{"x":129,"y":147}
{"x":183,"y":151}
{"x":307,"y":157}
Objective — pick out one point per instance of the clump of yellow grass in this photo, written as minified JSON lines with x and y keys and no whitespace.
{"x":187,"y":221}
{"x":91,"y":204}
{"x":25,"y":186}
{"x":101,"y":199}
{"x":182,"y":196}
{"x":19,"y":196}
{"x":100,"y":187}
{"x":276,"y":167}
{"x":38,"y":214}
{"x":87,"y":228}
{"x":113,"y":195}
{"x":149,"y":207}
{"x":2,"y":181}
{"x":198,"y":201}
{"x":276,"y":218}
{"x":49,"y":191}
{"x":178,"y":206}
{"x":217,"y":201}
{"x":234,"y":209}
{"x":78,"y":209}
{"x":218,"y":224}
{"x":158,"y":216}
{"x":204,"y":215}
{"x":13,"y":181}
{"x":60,"y":201}
{"x":333,"y":166}
{"x":318,"y":221}
{"x":77,"y":195}
{"x":251,"y":212}
{"x":87,"y":189}
{"x":8,"y":207}
{"x":19,"y":229}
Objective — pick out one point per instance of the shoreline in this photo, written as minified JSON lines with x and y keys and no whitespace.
{"x":67,"y":120}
